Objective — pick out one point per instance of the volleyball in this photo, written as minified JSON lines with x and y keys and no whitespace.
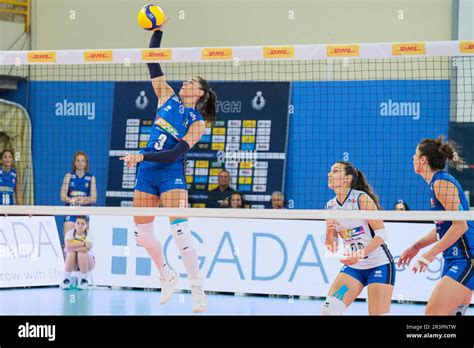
{"x":151,"y":17}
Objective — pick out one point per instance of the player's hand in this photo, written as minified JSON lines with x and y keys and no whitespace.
{"x":423,"y":262}
{"x":407,"y":256}
{"x":163,"y":26}
{"x":132,"y":159}
{"x":353,"y":257}
{"x":74,"y":202}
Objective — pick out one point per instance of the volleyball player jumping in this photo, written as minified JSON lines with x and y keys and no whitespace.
{"x":368,"y":261}
{"x":455,"y":239}
{"x":177,"y":127}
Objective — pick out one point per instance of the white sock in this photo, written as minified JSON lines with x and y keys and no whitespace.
{"x":82,"y":276}
{"x":154,"y":248}
{"x":67,"y":275}
{"x":191,"y":263}
{"x":182,"y":237}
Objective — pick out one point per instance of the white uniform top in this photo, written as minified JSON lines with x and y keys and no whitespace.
{"x":357,"y":234}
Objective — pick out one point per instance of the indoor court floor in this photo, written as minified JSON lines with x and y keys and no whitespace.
{"x":104,"y":301}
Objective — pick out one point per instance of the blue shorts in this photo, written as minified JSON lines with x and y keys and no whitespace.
{"x":157,"y":181}
{"x":384,"y":274}
{"x":461,"y":270}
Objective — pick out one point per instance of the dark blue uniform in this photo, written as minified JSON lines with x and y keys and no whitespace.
{"x":171,"y":123}
{"x":79,"y":187}
{"x":459,"y":261}
{"x":7,"y":186}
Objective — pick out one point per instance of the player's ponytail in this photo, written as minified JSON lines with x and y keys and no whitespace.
{"x":206,"y":105}
{"x":438,"y":152}
{"x":359,"y":182}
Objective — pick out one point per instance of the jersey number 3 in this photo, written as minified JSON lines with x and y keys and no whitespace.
{"x":160,"y":142}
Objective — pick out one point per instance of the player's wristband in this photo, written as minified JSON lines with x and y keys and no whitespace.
{"x":155,"y":42}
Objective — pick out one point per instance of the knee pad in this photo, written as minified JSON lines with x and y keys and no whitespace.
{"x":182,"y":235}
{"x":333,"y":306}
{"x":145,"y":235}
{"x":460,"y":310}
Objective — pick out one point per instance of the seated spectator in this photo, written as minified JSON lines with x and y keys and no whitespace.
{"x":278,"y":200}
{"x":236,"y":201}
{"x":217,"y":197}
{"x":79,"y":255}
{"x":401,"y":205}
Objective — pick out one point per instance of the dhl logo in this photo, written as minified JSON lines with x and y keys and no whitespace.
{"x":42,"y":57}
{"x":216,"y":53}
{"x":342,"y":50}
{"x":279,"y":52}
{"x":161,"y":54}
{"x":408,"y":49}
{"x":466,"y":47}
{"x":98,"y":56}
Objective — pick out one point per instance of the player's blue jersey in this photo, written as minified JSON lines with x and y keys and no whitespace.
{"x":464,"y":246}
{"x":7,"y":186}
{"x":80,"y":187}
{"x":171,"y":123}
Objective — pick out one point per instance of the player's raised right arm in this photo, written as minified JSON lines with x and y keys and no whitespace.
{"x":162,"y":90}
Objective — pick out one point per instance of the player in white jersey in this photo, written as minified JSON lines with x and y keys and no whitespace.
{"x":367,"y":260}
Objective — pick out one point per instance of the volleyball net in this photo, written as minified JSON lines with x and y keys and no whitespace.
{"x":285,"y":115}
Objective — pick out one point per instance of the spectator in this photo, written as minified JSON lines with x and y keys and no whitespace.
{"x":278,"y":200}
{"x":236,"y":200}
{"x":80,"y":256}
{"x":217,"y":198}
{"x":79,"y":187}
{"x":401,"y":205}
{"x":9,"y":180}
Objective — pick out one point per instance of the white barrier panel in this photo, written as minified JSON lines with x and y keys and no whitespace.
{"x":251,"y":256}
{"x":30,"y":252}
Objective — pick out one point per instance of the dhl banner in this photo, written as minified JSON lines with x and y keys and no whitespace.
{"x":242,"y":53}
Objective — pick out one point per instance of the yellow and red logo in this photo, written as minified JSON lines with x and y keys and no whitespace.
{"x":42,"y":57}
{"x":157,"y":54}
{"x":466,"y":46}
{"x":279,"y":52}
{"x":216,"y":53}
{"x":404,"y":49}
{"x":342,"y":50}
{"x":98,"y":56}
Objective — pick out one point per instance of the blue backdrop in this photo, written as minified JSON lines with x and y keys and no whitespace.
{"x":335,"y":121}
{"x":329,"y":121}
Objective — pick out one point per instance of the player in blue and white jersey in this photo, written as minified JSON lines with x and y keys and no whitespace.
{"x":178,"y":125}
{"x":79,"y":188}
{"x":9,"y":180}
{"x":454,"y":239}
{"x":367,"y":260}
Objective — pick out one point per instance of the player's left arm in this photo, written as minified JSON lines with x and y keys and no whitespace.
{"x":18,"y":198}
{"x":448,"y":195}
{"x":366,"y":203}
{"x":194,"y":134}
